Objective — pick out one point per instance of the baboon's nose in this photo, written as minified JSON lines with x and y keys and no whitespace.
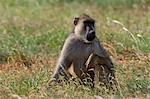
{"x":92,"y":33}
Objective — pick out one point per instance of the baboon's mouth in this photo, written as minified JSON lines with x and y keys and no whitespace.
{"x":90,"y":36}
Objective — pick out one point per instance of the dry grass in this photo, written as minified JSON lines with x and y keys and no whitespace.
{"x":18,"y":80}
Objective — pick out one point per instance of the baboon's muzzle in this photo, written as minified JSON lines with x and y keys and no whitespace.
{"x":90,"y":35}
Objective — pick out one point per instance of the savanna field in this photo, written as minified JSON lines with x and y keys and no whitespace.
{"x":32,"y":33}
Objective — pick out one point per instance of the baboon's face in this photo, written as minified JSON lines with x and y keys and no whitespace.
{"x":85,"y":27}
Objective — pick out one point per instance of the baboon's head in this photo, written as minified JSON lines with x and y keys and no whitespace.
{"x":85,"y":27}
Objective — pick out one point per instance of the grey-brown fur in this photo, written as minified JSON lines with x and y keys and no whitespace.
{"x":77,"y":49}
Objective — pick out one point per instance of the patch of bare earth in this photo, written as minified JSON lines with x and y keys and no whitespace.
{"x":33,"y":65}
{"x":126,"y":58}
{"x":131,"y":58}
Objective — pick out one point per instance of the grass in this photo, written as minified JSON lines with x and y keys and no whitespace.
{"x":32,"y":33}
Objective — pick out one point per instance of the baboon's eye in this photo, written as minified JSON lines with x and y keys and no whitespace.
{"x":89,"y":23}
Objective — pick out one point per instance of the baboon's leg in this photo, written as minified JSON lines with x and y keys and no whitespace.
{"x":102,"y":72}
{"x":79,"y":70}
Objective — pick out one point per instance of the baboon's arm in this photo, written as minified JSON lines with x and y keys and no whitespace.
{"x":102,"y":53}
{"x":64,"y":61}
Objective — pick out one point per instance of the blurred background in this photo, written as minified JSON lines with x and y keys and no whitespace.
{"x":41,"y":25}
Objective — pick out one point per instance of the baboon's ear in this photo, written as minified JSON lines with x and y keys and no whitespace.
{"x":75,"y":21}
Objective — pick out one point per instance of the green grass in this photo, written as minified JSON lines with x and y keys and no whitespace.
{"x":32,"y":32}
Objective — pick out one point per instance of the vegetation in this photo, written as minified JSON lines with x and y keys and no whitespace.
{"x":32,"y":33}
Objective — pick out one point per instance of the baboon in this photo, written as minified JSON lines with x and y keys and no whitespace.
{"x":79,"y":45}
